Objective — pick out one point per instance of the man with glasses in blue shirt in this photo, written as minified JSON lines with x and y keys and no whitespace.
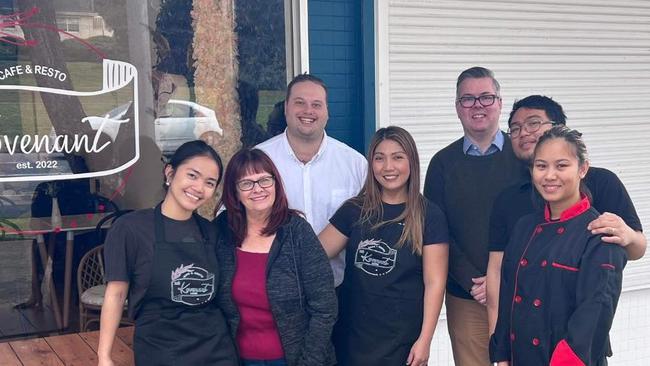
{"x":619,"y":223}
{"x":464,"y":178}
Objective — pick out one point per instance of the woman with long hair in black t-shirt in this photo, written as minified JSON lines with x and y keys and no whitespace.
{"x":395,"y":278}
{"x":164,"y":261}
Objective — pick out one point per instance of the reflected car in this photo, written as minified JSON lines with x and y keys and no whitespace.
{"x":182,"y":121}
{"x":179,"y":121}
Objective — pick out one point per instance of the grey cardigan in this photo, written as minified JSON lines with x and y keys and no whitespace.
{"x":300,"y":288}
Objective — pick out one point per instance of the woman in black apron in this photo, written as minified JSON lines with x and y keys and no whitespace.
{"x":164,"y":261}
{"x":396,"y":260}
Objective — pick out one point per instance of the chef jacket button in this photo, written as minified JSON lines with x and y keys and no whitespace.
{"x":544,"y":263}
{"x":518,"y":299}
{"x":537,"y":303}
{"x":535,"y":341}
{"x":512,"y":336}
{"x":560,"y":230}
{"x":538,"y":230}
{"x":523,"y":262}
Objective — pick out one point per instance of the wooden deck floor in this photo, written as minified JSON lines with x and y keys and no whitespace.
{"x":70,"y":349}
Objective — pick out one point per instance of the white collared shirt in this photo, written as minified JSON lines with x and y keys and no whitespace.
{"x":319,"y":187}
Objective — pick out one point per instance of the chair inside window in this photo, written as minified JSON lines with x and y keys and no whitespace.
{"x":91,"y":284}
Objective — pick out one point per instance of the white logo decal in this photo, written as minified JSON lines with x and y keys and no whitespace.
{"x":375,"y":257}
{"x":116,"y":75}
{"x":192,"y":285}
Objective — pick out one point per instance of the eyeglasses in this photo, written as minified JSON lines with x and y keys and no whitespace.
{"x":247,"y":184}
{"x":485,"y":100}
{"x":530,"y":125}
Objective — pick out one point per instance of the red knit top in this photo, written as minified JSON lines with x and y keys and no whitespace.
{"x":257,"y":335}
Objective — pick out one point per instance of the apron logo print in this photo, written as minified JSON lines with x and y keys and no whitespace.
{"x":191,"y":285}
{"x":375,"y":257}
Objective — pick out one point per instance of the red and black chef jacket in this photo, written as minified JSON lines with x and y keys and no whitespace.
{"x":560,"y":285}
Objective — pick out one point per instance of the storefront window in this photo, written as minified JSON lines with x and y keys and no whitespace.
{"x":96,"y":94}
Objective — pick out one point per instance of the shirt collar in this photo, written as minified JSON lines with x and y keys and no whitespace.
{"x":316,"y":157}
{"x":497,"y":142}
{"x":571,"y":212}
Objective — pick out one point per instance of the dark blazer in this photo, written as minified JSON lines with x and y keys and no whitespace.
{"x":300,"y":288}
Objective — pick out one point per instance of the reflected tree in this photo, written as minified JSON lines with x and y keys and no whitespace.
{"x":174,"y":25}
{"x":260,"y":30}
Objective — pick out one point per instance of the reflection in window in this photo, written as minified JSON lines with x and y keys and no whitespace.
{"x":261,"y":49}
{"x":39,"y":55}
{"x":98,"y":23}
{"x":262,"y":65}
{"x":68,"y":24}
{"x":170,"y":103}
{"x":183,"y":121}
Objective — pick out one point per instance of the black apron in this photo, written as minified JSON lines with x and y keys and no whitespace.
{"x":179,"y":323}
{"x":381,"y":299}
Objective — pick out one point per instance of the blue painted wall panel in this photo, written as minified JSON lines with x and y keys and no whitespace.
{"x":336,"y":55}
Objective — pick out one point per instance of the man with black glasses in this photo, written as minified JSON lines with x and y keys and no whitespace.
{"x":464,"y":178}
{"x":529,"y":119}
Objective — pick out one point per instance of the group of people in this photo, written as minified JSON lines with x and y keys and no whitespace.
{"x":508,"y":233}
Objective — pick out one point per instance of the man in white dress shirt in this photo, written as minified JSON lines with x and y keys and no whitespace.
{"x":318,"y":172}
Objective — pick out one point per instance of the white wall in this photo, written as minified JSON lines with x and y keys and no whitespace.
{"x":592,"y":56}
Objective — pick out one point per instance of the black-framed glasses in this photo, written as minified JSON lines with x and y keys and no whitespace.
{"x":468,"y":101}
{"x":247,"y":184}
{"x":530,"y":125}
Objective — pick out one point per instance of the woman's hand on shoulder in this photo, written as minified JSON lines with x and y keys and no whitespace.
{"x":615,"y":231}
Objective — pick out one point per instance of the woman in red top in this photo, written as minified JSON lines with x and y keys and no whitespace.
{"x":277,"y":289}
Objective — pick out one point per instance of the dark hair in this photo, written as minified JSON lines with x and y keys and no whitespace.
{"x":192,"y":149}
{"x":303,"y":78}
{"x":552,"y":108}
{"x":249,"y":101}
{"x":247,"y":161}
{"x":277,"y":121}
{"x":477,"y":72}
{"x":573,"y":138}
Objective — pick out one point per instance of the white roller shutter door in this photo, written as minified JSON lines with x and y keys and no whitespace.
{"x":591,"y":56}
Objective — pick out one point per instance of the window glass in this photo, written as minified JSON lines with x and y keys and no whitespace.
{"x":96,"y":94}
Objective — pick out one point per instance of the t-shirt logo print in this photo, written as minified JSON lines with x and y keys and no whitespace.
{"x":375,"y":257}
{"x":192,"y":285}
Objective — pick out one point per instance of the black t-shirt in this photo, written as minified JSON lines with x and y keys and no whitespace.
{"x":382,"y":295}
{"x":608,"y":194}
{"x":129,"y":245}
{"x":375,"y":254}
